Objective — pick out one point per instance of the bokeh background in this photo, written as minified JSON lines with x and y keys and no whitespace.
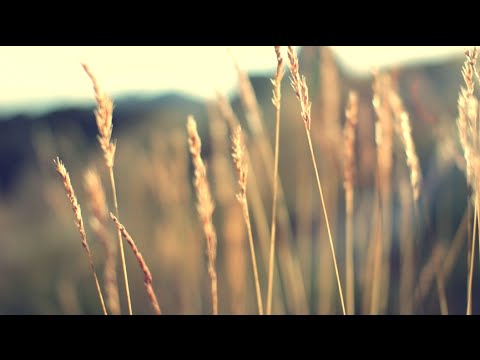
{"x":46,"y":110}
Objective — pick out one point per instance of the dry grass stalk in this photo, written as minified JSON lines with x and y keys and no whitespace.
{"x":429,"y":273}
{"x":469,"y":69}
{"x":220,"y":161}
{"x":376,"y":263}
{"x":404,"y":130}
{"x":160,"y":175}
{"x":277,"y":81}
{"x":242,"y":170}
{"x":227,"y":112}
{"x":468,"y":127}
{"x":235,"y":258}
{"x":299,"y":85}
{"x":260,"y":141}
{"x":455,"y":248}
{"x":276,"y":100}
{"x":329,"y":97}
{"x":146,"y":271}
{"x":104,"y":115}
{"x":433,"y":269}
{"x":467,"y":121}
{"x":98,"y":223}
{"x":406,"y":136}
{"x":383,"y":134}
{"x":62,"y":171}
{"x":249,"y":100}
{"x":233,"y":231}
{"x":205,"y":205}
{"x":371,"y":261}
{"x":472,"y":263}
{"x":442,"y":295}
{"x":471,"y":251}
{"x":349,"y":181}
{"x":258,"y":208}
{"x":384,"y":128}
{"x":464,"y":134}
{"x":300,"y":88}
{"x":406,"y":239}
{"x":327,"y":136}
{"x":452,"y":253}
{"x":305,"y":214}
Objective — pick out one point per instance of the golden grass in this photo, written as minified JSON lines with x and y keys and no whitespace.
{"x":276,"y":100}
{"x":301,"y":267}
{"x":260,"y":142}
{"x":242,"y":170}
{"x":258,"y":208}
{"x":413,"y":163}
{"x":468,"y":127}
{"x":98,"y":223}
{"x":349,"y":180}
{"x":299,"y":85}
{"x":104,"y":116}
{"x":330,"y":98}
{"x":232,"y":231}
{"x":430,"y":273}
{"x":384,"y":129}
{"x":77,"y":211}
{"x":143,"y":265}
{"x":472,"y":263}
{"x":205,"y":205}
{"x":407,"y":251}
{"x":249,"y":101}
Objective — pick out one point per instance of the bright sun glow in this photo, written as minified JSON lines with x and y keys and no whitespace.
{"x":36,"y":75}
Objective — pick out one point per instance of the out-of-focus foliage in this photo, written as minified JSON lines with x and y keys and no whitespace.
{"x":43,"y":269}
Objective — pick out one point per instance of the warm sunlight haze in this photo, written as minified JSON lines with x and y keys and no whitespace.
{"x":36,"y":76}
{"x":280,"y":180}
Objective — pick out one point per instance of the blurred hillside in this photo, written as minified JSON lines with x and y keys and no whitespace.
{"x":430,"y":92}
{"x":43,"y":266}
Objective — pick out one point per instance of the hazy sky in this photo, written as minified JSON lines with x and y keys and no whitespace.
{"x":32,"y":75}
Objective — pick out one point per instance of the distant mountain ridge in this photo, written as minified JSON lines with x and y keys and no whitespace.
{"x":439,"y":84}
{"x":17,"y":131}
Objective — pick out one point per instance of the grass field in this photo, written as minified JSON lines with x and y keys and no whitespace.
{"x":313,"y":193}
